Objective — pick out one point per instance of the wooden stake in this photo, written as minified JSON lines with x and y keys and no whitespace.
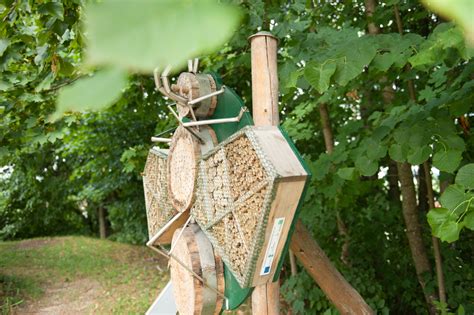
{"x":263,"y":47}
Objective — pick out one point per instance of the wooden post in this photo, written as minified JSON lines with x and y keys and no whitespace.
{"x":263,"y":47}
{"x":265,"y":298}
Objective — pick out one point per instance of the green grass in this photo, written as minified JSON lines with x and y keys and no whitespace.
{"x":128,"y":277}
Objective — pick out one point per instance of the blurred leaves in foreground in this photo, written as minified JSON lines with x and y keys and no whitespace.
{"x":140,"y":36}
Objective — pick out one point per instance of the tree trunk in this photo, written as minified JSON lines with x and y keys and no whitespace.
{"x":434,"y":239}
{"x":327,"y":129}
{"x":428,"y":182}
{"x":329,"y":143}
{"x":102,"y":222}
{"x":370,"y":6}
{"x":413,"y":229}
{"x":405,"y":176}
{"x":422,"y":190}
{"x":393,"y":189}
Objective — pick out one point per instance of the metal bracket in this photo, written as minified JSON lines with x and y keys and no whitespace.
{"x":216,"y":121}
{"x":159,"y":139}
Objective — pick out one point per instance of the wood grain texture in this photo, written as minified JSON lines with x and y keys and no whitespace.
{"x":192,"y":86}
{"x":191,"y":295}
{"x":265,"y":298}
{"x":344,"y":297}
{"x":182,"y":169}
{"x":187,"y":289}
{"x":288,"y":193}
{"x":279,"y":152}
{"x":166,"y":232}
{"x":264,"y":79}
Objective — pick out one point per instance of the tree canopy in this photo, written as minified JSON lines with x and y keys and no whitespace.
{"x":377,"y":96}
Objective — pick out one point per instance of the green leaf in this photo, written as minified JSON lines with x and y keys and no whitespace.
{"x":426,"y":94}
{"x":146,"y":34}
{"x":465,"y":176}
{"x":3,"y":152}
{"x":447,"y":161}
{"x":449,"y":231}
{"x":358,"y":55}
{"x":436,"y":217}
{"x":453,"y":196}
{"x":418,"y":155}
{"x":91,"y":93}
{"x":443,"y":224}
{"x":347,"y":173}
{"x":52,"y":8}
{"x":293,"y":78}
{"x":319,"y":74}
{"x":454,"y":142}
{"x":460,"y":107}
{"x":461,"y":11}
{"x":401,"y":135}
{"x":418,"y":136}
{"x":375,"y":149}
{"x":366,"y":166}
{"x":65,"y":68}
{"x":320,"y":168}
{"x":53,"y":136}
{"x":469,"y":220}
{"x":4,"y":43}
{"x":435,"y":48}
{"x":398,"y":152}
{"x":383,"y":62}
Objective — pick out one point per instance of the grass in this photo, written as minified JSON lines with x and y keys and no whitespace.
{"x":126,"y":276}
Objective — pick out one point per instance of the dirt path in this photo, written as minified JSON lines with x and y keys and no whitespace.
{"x":75,"y":297}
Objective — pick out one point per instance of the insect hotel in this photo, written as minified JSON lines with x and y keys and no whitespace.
{"x":222,"y":200}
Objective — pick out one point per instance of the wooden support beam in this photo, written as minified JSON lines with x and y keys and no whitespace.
{"x":344,"y":297}
{"x":263,"y":47}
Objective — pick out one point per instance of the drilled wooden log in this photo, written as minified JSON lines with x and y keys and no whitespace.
{"x":192,"y":86}
{"x":182,"y":171}
{"x":195,"y":251}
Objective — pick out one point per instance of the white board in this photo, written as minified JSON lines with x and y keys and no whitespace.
{"x":164,"y":303}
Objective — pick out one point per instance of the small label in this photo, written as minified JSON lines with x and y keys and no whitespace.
{"x":272,"y":246}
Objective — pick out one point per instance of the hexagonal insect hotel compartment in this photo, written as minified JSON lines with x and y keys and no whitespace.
{"x":248,"y":191}
{"x":159,"y":209}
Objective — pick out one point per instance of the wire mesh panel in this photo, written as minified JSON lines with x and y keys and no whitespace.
{"x":237,"y":186}
{"x":158,"y":206}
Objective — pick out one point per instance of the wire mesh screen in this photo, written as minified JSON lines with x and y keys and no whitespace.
{"x":158,"y":206}
{"x":235,"y":187}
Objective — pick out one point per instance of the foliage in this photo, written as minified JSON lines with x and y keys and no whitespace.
{"x":124,"y":36}
{"x":459,"y":11}
{"x":458,"y":207}
{"x":392,"y":98}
